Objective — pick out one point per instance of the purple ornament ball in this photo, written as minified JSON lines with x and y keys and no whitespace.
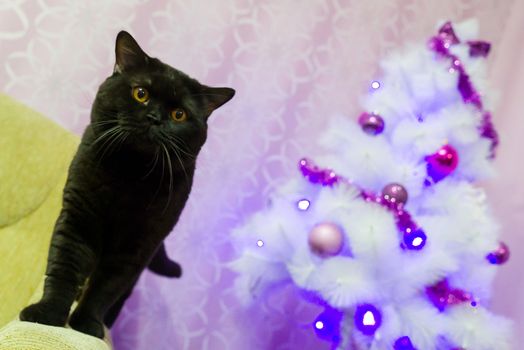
{"x":442,"y":163}
{"x":500,"y":255}
{"x":326,"y":239}
{"x":372,"y":124}
{"x":403,"y":343}
{"x":367,"y":319}
{"x":395,"y":194}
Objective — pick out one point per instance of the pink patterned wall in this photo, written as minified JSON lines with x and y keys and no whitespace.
{"x":294,"y":64}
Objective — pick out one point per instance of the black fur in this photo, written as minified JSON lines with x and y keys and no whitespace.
{"x":126,"y":189}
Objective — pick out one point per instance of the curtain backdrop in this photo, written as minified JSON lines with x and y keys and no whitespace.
{"x":294,"y":65}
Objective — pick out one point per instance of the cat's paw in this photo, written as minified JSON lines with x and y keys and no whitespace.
{"x":87,"y":324}
{"x":44,"y":313}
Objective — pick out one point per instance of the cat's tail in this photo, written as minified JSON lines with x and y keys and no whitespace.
{"x":162,"y":265}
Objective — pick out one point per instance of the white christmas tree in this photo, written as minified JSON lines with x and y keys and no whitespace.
{"x":386,"y":230}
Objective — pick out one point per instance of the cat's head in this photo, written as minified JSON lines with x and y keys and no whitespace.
{"x":149,"y":105}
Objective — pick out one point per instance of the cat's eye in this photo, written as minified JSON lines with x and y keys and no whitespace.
{"x":140,"y":94}
{"x":178,"y":115}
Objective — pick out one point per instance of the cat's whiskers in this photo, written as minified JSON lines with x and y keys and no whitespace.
{"x":109,"y":116}
{"x":161,"y":178}
{"x":207,"y":94}
{"x":175,"y":150}
{"x":105,"y":134}
{"x":154,"y":162}
{"x":107,"y":145}
{"x":122,"y":138}
{"x":114,"y":136}
{"x":170,"y":176}
{"x":176,"y":146}
{"x":104,"y":122}
{"x":183,"y":143}
{"x":174,"y":141}
{"x":181,"y":164}
{"x":103,"y":146}
{"x":102,"y":126}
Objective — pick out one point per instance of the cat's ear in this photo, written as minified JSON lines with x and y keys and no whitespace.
{"x":129,"y":55}
{"x":216,"y":97}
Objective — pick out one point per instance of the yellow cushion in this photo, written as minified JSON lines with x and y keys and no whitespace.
{"x":34,"y":157}
{"x":32,"y":336}
{"x":35,"y":154}
{"x":23,"y":254}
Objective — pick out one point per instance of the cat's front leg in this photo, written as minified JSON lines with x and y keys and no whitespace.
{"x":69,"y":261}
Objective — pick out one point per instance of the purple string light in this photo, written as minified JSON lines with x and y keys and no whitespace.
{"x":441,"y":44}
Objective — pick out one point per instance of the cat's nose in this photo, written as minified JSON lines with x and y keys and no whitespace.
{"x":154,"y":118}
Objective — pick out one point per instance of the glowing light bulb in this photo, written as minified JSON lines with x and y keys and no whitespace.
{"x":303,"y":204}
{"x":414,"y":239}
{"x":260,"y":243}
{"x":417,"y":241}
{"x":369,"y":319}
{"x":327,"y":325}
{"x":375,"y":84}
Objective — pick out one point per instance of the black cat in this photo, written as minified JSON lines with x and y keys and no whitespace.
{"x":127,"y":186}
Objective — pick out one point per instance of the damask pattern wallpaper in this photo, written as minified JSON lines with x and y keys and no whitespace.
{"x":294,"y":64}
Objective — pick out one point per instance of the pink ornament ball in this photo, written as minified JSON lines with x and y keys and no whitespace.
{"x":395,"y":194}
{"x":326,"y":239}
{"x":500,"y":255}
{"x":372,"y":124}
{"x":442,"y":163}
